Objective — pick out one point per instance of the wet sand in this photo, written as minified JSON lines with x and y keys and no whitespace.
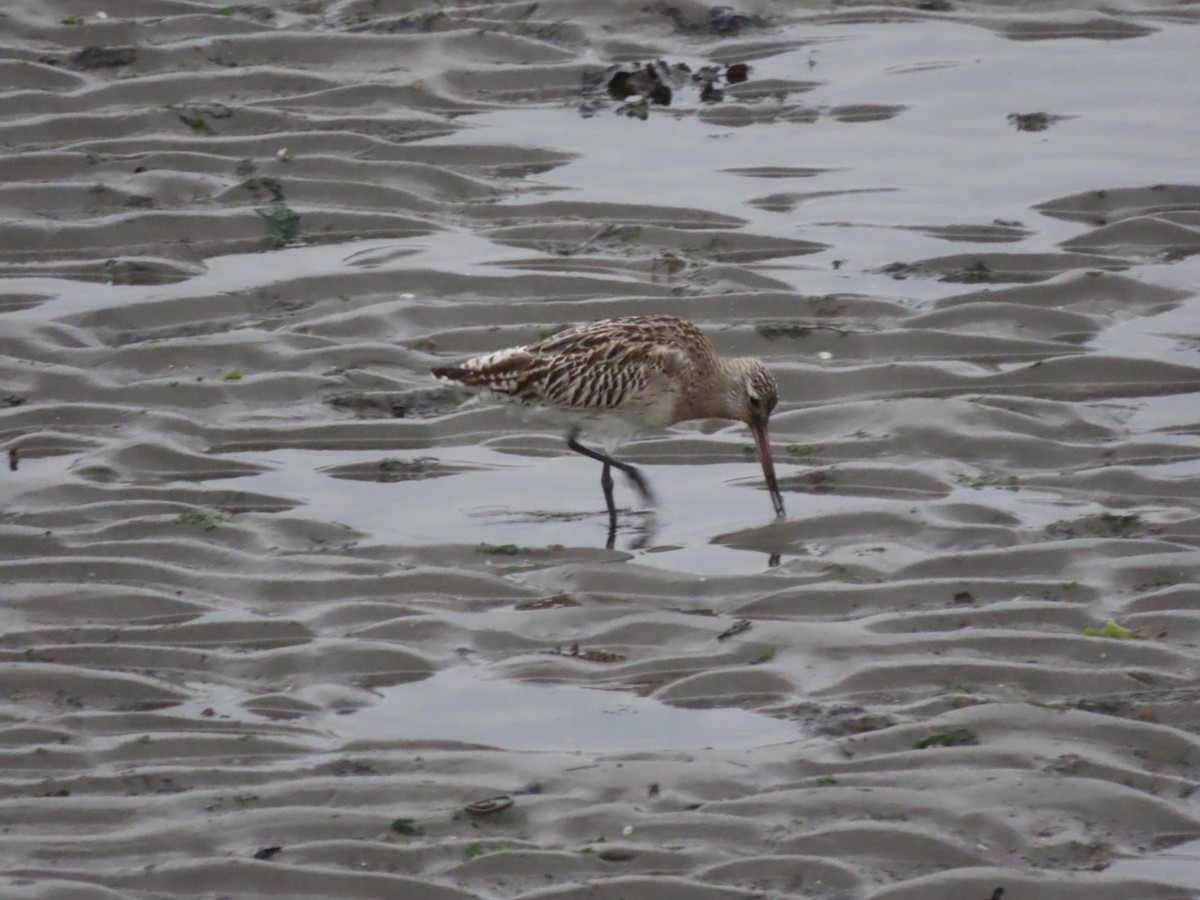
{"x":282,"y":616}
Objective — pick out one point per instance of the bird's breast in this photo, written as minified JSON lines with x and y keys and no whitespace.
{"x":654,"y":405}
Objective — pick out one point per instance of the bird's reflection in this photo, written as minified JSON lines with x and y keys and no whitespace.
{"x":643,"y":533}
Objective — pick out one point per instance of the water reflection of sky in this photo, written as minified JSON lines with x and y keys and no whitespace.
{"x":527,"y":501}
{"x":950,"y":157}
{"x":463,"y":705}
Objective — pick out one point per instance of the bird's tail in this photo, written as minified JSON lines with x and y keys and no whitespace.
{"x":501,"y":371}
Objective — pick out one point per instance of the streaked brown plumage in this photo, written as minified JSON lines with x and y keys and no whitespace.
{"x":636,"y":370}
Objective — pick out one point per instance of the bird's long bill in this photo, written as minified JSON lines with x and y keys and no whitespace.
{"x":763,"y":443}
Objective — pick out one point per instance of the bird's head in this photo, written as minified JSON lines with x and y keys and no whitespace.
{"x":751,"y":396}
{"x":756,"y":394}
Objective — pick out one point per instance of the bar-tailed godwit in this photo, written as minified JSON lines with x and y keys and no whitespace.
{"x":622,"y":374}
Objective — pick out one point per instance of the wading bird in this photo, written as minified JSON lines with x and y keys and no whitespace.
{"x":618,"y":375}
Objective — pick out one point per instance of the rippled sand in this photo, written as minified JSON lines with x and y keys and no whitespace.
{"x":281,"y":616}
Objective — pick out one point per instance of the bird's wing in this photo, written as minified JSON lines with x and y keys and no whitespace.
{"x":602,"y":365}
{"x":503,"y":371}
{"x":645,"y":332}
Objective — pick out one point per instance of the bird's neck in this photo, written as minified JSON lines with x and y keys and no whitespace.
{"x":713,"y":397}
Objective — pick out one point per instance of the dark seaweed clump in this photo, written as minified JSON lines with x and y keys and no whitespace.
{"x":91,"y":58}
{"x":642,"y":85}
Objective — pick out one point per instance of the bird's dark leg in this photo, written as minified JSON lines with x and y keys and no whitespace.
{"x":631,"y":472}
{"x":638,"y":480}
{"x":606,"y":483}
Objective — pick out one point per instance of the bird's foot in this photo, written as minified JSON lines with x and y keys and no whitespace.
{"x":639,"y":482}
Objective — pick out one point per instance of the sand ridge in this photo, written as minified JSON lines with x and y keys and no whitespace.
{"x":284,"y":617}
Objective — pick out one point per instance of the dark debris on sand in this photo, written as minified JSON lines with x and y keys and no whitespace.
{"x":1034,"y":121}
{"x":91,"y":58}
{"x":722,"y":21}
{"x":641,"y":85}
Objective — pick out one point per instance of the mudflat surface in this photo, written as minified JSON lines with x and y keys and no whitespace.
{"x":280,"y":615}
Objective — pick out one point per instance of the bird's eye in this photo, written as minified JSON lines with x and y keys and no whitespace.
{"x":756,"y":402}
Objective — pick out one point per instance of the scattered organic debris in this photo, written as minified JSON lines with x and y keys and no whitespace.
{"x":722,"y":21}
{"x":232,"y":375}
{"x":773,"y":330}
{"x":267,"y":852}
{"x":637,"y":109}
{"x":649,"y":82}
{"x":489,"y":806}
{"x":736,"y":628}
{"x":1117,"y":526}
{"x":476,"y":849}
{"x":197,"y":116}
{"x":819,"y":481}
{"x":416,"y":405}
{"x":958,"y":737}
{"x":207,"y":521}
{"x":344,"y":767}
{"x":499,"y":549}
{"x":900,"y":271}
{"x":1035,"y":121}
{"x":1104,"y":525}
{"x":989,"y":480}
{"x":283,"y":222}
{"x":737,"y":73}
{"x":1113,"y":630}
{"x":1112,"y":706}
{"x":597,"y":656}
{"x":977,"y":272}
{"x":640,"y":86}
{"x":264,"y":185}
{"x":407,"y":827}
{"x":14,"y":459}
{"x":252,"y":11}
{"x":558,"y":601}
{"x":617,"y":854}
{"x":90,"y":58}
{"x":418,"y":23}
{"x":1158,"y":581}
{"x":392,"y":470}
{"x":726,"y":22}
